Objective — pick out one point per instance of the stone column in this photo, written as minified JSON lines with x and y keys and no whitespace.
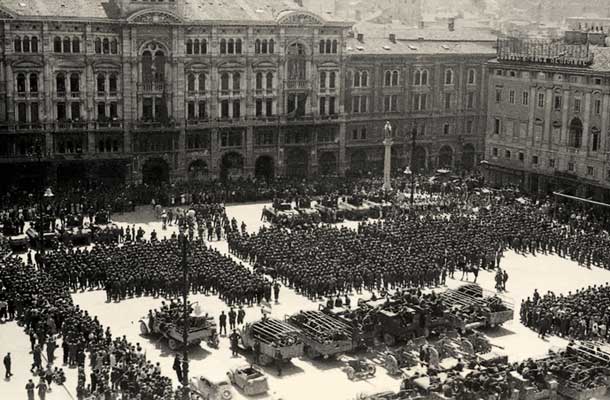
{"x":603,"y":133}
{"x":585,"y":124}
{"x":548,"y":107}
{"x":565,"y":111}
{"x":249,"y":164}
{"x":387,"y":163}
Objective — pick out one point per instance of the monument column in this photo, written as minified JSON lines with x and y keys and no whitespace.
{"x":387,"y":158}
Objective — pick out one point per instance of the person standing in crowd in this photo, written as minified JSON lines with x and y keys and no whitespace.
{"x":30,"y":387}
{"x":222,"y":319}
{"x":241,"y":314}
{"x":42,"y":389}
{"x":7,"y":366}
{"x":178,"y":367}
{"x":234,"y":338}
{"x":232,"y":318}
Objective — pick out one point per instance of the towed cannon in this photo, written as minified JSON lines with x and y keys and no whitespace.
{"x":477,"y":309}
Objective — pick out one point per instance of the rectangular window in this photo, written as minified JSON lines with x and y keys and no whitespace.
{"x":511,"y":97}
{"x":61,"y":111}
{"x":331,"y":105}
{"x":571,"y":166}
{"x":356,"y":104}
{"x":322,"y":108}
{"x":363,"y":134}
{"x":203,"y":115}
{"x":446,"y":129}
{"x":523,"y":129}
{"x":386,"y":103}
{"x":22,"y":113}
{"x":507,"y":154}
{"x":469,"y":127}
{"x":498,"y":95}
{"x":508,"y":128}
{"x":259,"y":107}
{"x":236,"y":108}
{"x":75,"y":110}
{"x":101,"y":111}
{"x":114,"y":110}
{"x":551,"y":162}
{"x":191,"y":110}
{"x":269,"y":107}
{"x":540,"y":99}
{"x":354,"y":134}
{"x":497,"y":126}
{"x":525,"y":98}
{"x":494,"y":152}
{"x":535,"y":160}
{"x":363,"y":103}
{"x":521,"y":156}
{"x":590,"y":171}
{"x":34,"y":112}
{"x":470,"y":100}
{"x":576,"y":105}
{"x":224,"y":109}
{"x":419,"y":101}
{"x":447,"y":101}
{"x":557,"y":103}
{"x":598,"y":106}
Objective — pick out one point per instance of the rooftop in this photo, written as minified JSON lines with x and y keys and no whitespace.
{"x":378,"y":46}
{"x":266,"y":11}
{"x":435,"y":32}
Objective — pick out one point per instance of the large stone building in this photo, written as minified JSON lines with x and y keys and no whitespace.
{"x":142,"y":90}
{"x":548,"y":108}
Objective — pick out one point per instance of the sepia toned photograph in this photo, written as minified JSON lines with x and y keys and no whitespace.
{"x":304,"y":200}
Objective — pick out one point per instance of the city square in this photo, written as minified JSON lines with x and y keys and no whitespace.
{"x":297,"y":199}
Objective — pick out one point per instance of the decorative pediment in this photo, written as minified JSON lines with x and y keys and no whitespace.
{"x":26,"y":64}
{"x":264,"y":64}
{"x":154,"y":17}
{"x":230,"y":65}
{"x":6,"y":14}
{"x":105,"y":65}
{"x":196,"y":66}
{"x":328,"y":65}
{"x":299,"y":18}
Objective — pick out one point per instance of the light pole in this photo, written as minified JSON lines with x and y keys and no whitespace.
{"x":47,"y":194}
{"x":186,"y":313}
{"x":413,"y":136}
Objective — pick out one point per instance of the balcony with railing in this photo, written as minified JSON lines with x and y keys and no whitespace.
{"x":167,"y":124}
{"x":298,"y":84}
{"x":157,"y":87}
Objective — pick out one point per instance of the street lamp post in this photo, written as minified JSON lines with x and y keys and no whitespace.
{"x":47,"y":194}
{"x":413,"y":136}
{"x":186,"y":314}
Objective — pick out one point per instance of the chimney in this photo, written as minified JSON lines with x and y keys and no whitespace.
{"x":422,"y":24}
{"x":451,"y":24}
{"x":393,"y":37}
{"x":360,"y":37}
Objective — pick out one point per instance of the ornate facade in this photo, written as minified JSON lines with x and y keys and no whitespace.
{"x":146,"y":91}
{"x":548,"y":116}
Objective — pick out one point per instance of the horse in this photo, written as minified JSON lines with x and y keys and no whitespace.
{"x":467,"y":270}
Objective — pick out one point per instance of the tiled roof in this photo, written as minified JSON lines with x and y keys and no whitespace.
{"x":601,"y":59}
{"x":374,"y":46}
{"x":67,"y":8}
{"x":440,"y":33}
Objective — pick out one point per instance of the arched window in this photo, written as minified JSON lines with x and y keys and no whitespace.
{"x":236,"y":81}
{"x":257,"y":46}
{"x":147,"y":75}
{"x":331,"y":79}
{"x":114,"y":46}
{"x":231,"y":46}
{"x":224,"y":81}
{"x":388,"y":78}
{"x":417,"y":78}
{"x":328,"y":46}
{"x":395,"y":78}
{"x":67,"y":46}
{"x":189,"y":46}
{"x":269,"y":80}
{"x":17,"y":42}
{"x":448,"y":77}
{"x":75,"y":45}
{"x":113,"y":84}
{"x":33,"y":83}
{"x":575,"y":133}
{"x":74,"y":83}
{"x":223,"y":46}
{"x":101,"y":84}
{"x":196,"y":47}
{"x":34,"y":44}
{"x":322,"y":80}
{"x":264,"y":46}
{"x":334,"y":47}
{"x":259,"y":80}
{"x":98,"y":46}
{"x":357,"y":79}
{"x":202,"y":82}
{"x":204,"y":46}
{"x":26,"y":44}
{"x":60,"y":84}
{"x":424,"y":77}
{"x":471,"y":76}
{"x":238,"y":46}
{"x":57,"y":44}
{"x":364,"y":80}
{"x":106,"y":46}
{"x":191,"y":83}
{"x":321,"y":47}
{"x":20,"y":83}
{"x":271,"y":46}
